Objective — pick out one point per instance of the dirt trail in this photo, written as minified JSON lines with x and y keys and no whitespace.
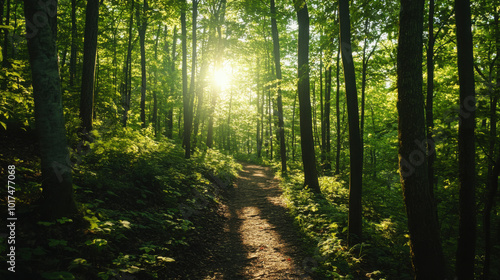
{"x":259,"y":239}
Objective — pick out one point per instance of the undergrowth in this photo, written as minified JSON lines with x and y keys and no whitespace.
{"x":323,"y":221}
{"x":140,"y":203}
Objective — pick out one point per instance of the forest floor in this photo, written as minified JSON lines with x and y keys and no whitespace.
{"x":255,"y":238}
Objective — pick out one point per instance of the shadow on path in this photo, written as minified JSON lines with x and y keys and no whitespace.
{"x":259,"y":239}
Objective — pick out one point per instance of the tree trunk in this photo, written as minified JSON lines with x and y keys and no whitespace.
{"x":337,"y":111}
{"x":5,"y":47}
{"x":466,"y":150}
{"x":58,"y":200}
{"x":277,"y":63}
{"x":355,"y":148}
{"x":326,"y":116}
{"x":260,"y":112}
{"x":89,"y":63}
{"x":143,"y":25}
{"x":72,"y":59}
{"x":429,"y":115}
{"x":170,"y":111}
{"x":425,"y":245}
{"x":306,"y":134}
{"x":126,"y":85}
{"x":186,"y":100}
{"x":293,"y":126}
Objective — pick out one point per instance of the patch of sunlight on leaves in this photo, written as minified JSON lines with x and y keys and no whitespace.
{"x":64,"y":220}
{"x":78,"y":262}
{"x":165,"y":259}
{"x":125,"y":224}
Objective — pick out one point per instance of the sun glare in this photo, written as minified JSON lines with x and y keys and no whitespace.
{"x":221,"y":78}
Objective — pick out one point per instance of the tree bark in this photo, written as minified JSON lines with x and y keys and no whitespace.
{"x":126,"y":85}
{"x":74,"y":34}
{"x":306,"y":134}
{"x":429,"y":105}
{"x":326,"y":116}
{"x":337,"y":111}
{"x":170,"y":111}
{"x":279,"y":77}
{"x":355,"y":148}
{"x":143,"y":25}
{"x":425,"y":245}
{"x":186,"y":100}
{"x":89,"y":64}
{"x":466,"y":146}
{"x":57,"y":200}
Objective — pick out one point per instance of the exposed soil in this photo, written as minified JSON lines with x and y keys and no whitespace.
{"x":255,"y":237}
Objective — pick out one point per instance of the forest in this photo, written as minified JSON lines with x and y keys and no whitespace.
{"x":250,"y":139}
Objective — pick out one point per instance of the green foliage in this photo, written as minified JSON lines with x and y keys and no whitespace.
{"x":140,"y":202}
{"x":323,"y":222}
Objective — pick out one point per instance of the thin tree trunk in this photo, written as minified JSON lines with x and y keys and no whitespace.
{"x":425,"y":245}
{"x":126,"y":87}
{"x":466,"y":146}
{"x":188,"y":111}
{"x":5,"y":48}
{"x":155,"y":121}
{"x":293,"y":127}
{"x":306,"y":133}
{"x":355,"y":148}
{"x":89,"y":63}
{"x":328,"y":96}
{"x":72,"y":59}
{"x":170,"y":111}
{"x":186,"y":100}
{"x":277,"y":63}
{"x":57,"y":194}
{"x":143,"y":25}
{"x":429,"y":115}
{"x":337,"y":111}
{"x":260,"y":112}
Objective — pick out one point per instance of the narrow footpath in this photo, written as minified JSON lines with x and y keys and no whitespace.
{"x":259,"y":239}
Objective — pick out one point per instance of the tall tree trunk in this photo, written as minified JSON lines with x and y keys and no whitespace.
{"x":143,"y":25}
{"x":186,"y":100}
{"x":328,"y":96}
{"x":277,"y":63}
{"x":355,"y":148}
{"x":126,"y":87}
{"x":306,"y":134}
{"x":5,"y":47}
{"x":58,"y":200}
{"x":188,"y":118}
{"x":429,"y":105}
{"x":72,"y":59}
{"x":425,"y":245}
{"x":170,"y":111}
{"x":293,"y":126}
{"x":466,"y":149}
{"x":321,"y":107}
{"x":155,"y":120}
{"x":89,"y":63}
{"x":260,"y":112}
{"x":337,"y":111}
